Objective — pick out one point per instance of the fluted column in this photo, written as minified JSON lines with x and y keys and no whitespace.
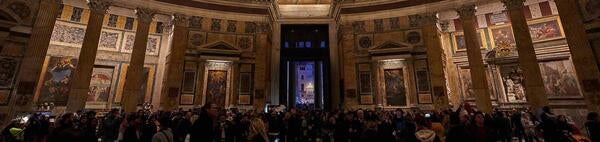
{"x":35,"y":54}
{"x":135,"y":72}
{"x":582,"y":55}
{"x":174,"y":70}
{"x":83,"y":73}
{"x":533,"y":83}
{"x":476,"y":66}
{"x":431,"y":36}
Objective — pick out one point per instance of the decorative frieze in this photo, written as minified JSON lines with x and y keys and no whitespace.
{"x":216,"y":25}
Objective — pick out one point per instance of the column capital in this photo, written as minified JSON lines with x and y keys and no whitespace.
{"x":58,"y":1}
{"x":99,"y":6}
{"x":513,"y":4}
{"x":145,"y":15}
{"x":466,"y":11}
{"x":179,"y":19}
{"x":429,"y":18}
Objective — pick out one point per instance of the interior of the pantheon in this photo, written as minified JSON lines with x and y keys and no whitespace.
{"x":66,"y":55}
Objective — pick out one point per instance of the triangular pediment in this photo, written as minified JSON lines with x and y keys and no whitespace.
{"x":219,"y":45}
{"x":390,"y":46}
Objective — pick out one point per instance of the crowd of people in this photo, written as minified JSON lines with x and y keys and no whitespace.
{"x":209,"y":124}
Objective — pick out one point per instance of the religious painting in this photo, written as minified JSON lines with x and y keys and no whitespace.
{"x":466,"y":83}
{"x":216,"y":87}
{"x":545,"y":29}
{"x":366,"y":99}
{"x":589,"y":9}
{"x":245,"y":83}
{"x":57,"y":80}
{"x":8,"y":68}
{"x":460,"y":43}
{"x":245,"y":99}
{"x":187,"y":99}
{"x":100,"y":87}
{"x":109,"y":40}
{"x":559,"y":78}
{"x":189,"y":82}
{"x":67,"y":34}
{"x":512,"y":80}
{"x":4,"y":96}
{"x":502,"y":36}
{"x":365,"y":85}
{"x":395,"y":91}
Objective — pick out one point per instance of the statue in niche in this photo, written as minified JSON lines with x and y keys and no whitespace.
{"x":514,"y":86}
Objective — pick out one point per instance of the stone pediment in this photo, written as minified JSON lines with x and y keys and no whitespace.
{"x":219,"y":47}
{"x":391,"y":47}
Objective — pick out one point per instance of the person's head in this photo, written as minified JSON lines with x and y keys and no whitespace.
{"x":562,"y":118}
{"x":479,"y":118}
{"x":210,"y":109}
{"x":66,"y":120}
{"x":592,"y":116}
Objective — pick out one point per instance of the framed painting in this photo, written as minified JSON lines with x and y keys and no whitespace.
{"x":189,"y":82}
{"x":395,"y":90}
{"x":546,"y":29}
{"x":245,"y":99}
{"x":4,"y":96}
{"x":365,"y":85}
{"x":216,"y":87}
{"x":246,"y":83}
{"x":8,"y":70}
{"x":100,"y":87}
{"x":187,"y":99}
{"x":425,"y":99}
{"x":466,"y":83}
{"x":422,"y":81}
{"x":459,"y":43}
{"x":56,"y":80}
{"x":502,"y":36}
{"x":559,"y":79}
{"x":366,"y":99}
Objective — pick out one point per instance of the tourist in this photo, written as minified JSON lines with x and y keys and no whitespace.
{"x":110,"y":126}
{"x":548,"y":125}
{"x":458,"y":131}
{"x":479,"y":131}
{"x":165,"y":134}
{"x":66,"y":130}
{"x":203,"y":129}
{"x":593,"y":126}
{"x":133,"y":128}
{"x":528,"y":127}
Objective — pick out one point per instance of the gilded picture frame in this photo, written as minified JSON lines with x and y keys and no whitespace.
{"x":546,"y":29}
{"x":459,"y":40}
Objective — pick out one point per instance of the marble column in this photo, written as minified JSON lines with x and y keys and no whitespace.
{"x":34,"y":56}
{"x":83,"y":73}
{"x":175,"y":63}
{"x":582,"y":55}
{"x":435,"y":60}
{"x":533,"y":83}
{"x":476,"y":66}
{"x":135,"y":71}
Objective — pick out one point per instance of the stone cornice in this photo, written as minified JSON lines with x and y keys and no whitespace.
{"x":99,"y":6}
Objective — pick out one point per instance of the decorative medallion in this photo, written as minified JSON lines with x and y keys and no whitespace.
{"x":413,"y":37}
{"x":378,"y":25}
{"x":216,"y":25}
{"x":395,"y":23}
{"x":250,"y":27}
{"x":197,"y":39}
{"x":365,"y":42}
{"x":195,"y":22}
{"x":231,"y":26}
